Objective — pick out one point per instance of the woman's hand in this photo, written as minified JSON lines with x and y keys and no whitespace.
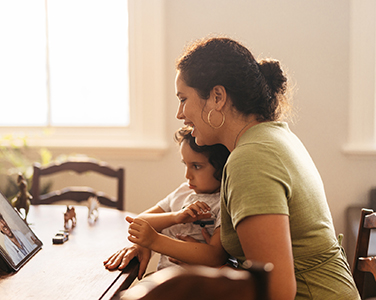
{"x":195,"y":211}
{"x":121,"y":258}
{"x":141,"y":232}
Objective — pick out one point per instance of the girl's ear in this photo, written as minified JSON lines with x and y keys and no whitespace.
{"x":220,"y":96}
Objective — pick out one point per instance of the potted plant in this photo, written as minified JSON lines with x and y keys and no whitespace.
{"x":16,"y":157}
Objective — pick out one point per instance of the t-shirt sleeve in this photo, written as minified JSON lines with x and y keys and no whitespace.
{"x":256,"y":182}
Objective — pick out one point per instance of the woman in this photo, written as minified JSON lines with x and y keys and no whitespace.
{"x":273,"y":203}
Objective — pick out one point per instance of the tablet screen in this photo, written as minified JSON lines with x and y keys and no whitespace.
{"x":18,"y":243}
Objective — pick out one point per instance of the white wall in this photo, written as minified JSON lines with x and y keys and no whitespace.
{"x":312,"y":39}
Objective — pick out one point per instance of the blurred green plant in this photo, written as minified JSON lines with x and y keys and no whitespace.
{"x":16,"y":157}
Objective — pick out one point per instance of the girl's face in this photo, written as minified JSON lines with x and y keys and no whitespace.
{"x":193,"y":110}
{"x":198,"y":171}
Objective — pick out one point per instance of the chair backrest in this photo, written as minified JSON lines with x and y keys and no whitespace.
{"x":78,"y":194}
{"x":203,"y":283}
{"x":363,"y":263}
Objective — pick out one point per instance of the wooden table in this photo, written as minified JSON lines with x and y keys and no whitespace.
{"x":73,"y":270}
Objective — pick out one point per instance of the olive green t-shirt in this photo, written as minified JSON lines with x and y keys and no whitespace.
{"x":271,"y":172}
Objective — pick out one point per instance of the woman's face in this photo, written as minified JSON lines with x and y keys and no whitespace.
{"x":192,"y":110}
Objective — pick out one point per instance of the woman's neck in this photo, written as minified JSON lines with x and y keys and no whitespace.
{"x":236,"y":127}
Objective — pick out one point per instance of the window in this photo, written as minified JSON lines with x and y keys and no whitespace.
{"x":362,"y":105}
{"x":65,"y":63}
{"x":135,"y":116}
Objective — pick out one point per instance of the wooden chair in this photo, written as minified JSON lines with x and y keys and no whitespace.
{"x":78,"y":194}
{"x":203,"y":283}
{"x":363,"y":263}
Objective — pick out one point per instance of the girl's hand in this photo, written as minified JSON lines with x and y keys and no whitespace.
{"x":141,"y":233}
{"x":195,"y":211}
{"x":121,"y":258}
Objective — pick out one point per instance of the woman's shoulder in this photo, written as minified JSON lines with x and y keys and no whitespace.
{"x":265,"y":132}
{"x":265,"y":140}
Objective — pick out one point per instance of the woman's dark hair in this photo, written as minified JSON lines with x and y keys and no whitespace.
{"x":254,"y":88}
{"x":217,"y":154}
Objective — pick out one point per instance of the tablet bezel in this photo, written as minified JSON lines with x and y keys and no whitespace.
{"x":10,"y":215}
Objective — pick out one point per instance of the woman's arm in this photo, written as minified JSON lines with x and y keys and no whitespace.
{"x":266,"y":238}
{"x":211,"y":254}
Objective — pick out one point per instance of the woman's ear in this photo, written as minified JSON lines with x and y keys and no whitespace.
{"x":220,"y":96}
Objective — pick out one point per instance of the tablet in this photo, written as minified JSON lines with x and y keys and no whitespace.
{"x":18,"y":243}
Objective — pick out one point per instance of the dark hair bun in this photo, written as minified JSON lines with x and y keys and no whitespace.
{"x":274,"y":76}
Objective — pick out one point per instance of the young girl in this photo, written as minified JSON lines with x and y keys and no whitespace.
{"x":160,"y":227}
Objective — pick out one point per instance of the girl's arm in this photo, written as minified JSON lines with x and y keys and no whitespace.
{"x":159,"y":219}
{"x":121,"y":259}
{"x":211,"y":254}
{"x":266,"y":238}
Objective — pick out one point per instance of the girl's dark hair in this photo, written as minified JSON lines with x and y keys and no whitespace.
{"x":254,"y":88}
{"x":217,"y":154}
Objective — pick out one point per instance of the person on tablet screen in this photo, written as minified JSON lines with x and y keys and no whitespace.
{"x":16,"y":243}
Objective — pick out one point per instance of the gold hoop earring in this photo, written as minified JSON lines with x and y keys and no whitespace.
{"x":223,"y":119}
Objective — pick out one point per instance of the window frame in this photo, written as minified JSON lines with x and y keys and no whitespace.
{"x":145,"y":136}
{"x":362,"y":101}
